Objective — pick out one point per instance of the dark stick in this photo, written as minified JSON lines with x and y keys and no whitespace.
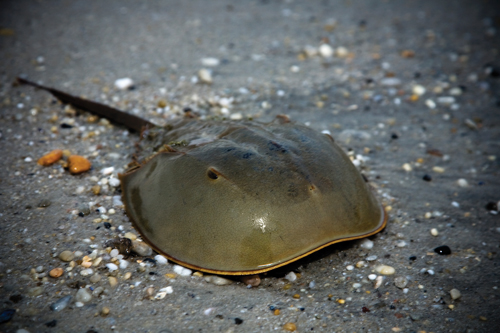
{"x":116,"y":116}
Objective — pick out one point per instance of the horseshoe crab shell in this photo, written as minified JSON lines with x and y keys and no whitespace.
{"x":242,"y":197}
{"x":239,"y":198}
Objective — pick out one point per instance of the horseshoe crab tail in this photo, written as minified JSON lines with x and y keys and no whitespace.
{"x":116,"y":116}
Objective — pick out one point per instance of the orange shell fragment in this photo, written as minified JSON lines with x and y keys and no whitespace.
{"x":78,"y":164}
{"x":50,"y":158}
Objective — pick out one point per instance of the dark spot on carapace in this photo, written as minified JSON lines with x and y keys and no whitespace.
{"x":211,"y":174}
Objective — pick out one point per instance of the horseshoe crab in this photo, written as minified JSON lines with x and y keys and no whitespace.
{"x":240,"y":198}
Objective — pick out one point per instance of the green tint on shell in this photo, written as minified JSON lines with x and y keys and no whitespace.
{"x":245,"y":197}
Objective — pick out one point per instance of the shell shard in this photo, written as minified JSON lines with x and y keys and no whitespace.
{"x":243,"y":198}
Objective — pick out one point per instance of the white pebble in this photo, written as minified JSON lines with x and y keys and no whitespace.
{"x":462,"y":182}
{"x":83,"y":295}
{"x":210,"y":62}
{"x":401,"y":243}
{"x":372,"y":277}
{"x":236,"y":116}
{"x":446,"y":100}
{"x":28,"y":159}
{"x":161,"y":259}
{"x":209,"y":311}
{"x":107,"y":171}
{"x":349,"y":267}
{"x":378,"y":282}
{"x":80,"y":190}
{"x":182,"y":271}
{"x":205,"y":76}
{"x":114,"y":253}
{"x":418,"y":90}
{"x":434,"y":232}
{"x":356,"y":285}
{"x":326,"y":51}
{"x":385,"y":270}
{"x":371,"y":258}
{"x":111,"y":211}
{"x":366,"y":244}
{"x":455,"y":294}
{"x":79,"y":304}
{"x":341,"y":52}
{"x":430,"y":104}
{"x":115,"y":182}
{"x":291,"y":277}
{"x":112,"y":267}
{"x":124,"y":83}
{"x":455,"y":204}
{"x":124,"y":264}
{"x":117,"y":201}
{"x":407,"y":167}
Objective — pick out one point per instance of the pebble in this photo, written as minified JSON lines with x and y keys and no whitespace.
{"x":455,"y":294}
{"x":107,"y":171}
{"x":291,"y":327}
{"x":378,"y":282}
{"x":341,"y":52}
{"x":95,"y":278}
{"x":462,"y":182}
{"x":407,"y":167}
{"x":438,"y":169}
{"x":141,"y":248}
{"x":326,"y":51}
{"x":430,"y":104}
{"x":205,"y":76}
{"x":124,"y":83}
{"x":112,"y":267}
{"x":182,"y":271}
{"x":161,"y":259}
{"x":356,"y":285}
{"x":418,"y":90}
{"x":446,"y":100}
{"x":385,"y":270}
{"x":400,"y":282}
{"x":50,"y":158}
{"x":124,"y":264}
{"x":291,"y":276}
{"x":66,"y":256}
{"x":56,"y":272}
{"x":105,"y":311}
{"x":61,"y":303}
{"x":443,"y":250}
{"x":371,"y":258}
{"x":210,"y":62}
{"x":236,"y":116}
{"x":366,"y":244}
{"x":251,"y":280}
{"x":78,"y":164}
{"x":217,"y":280}
{"x":164,"y":292}
{"x":390,"y":81}
{"x":349,"y":267}
{"x":434,"y":232}
{"x":401,"y":243}
{"x":115,"y":182}
{"x":112,"y":281}
{"x":83,"y":295}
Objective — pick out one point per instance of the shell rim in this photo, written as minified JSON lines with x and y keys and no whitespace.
{"x":381,"y":226}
